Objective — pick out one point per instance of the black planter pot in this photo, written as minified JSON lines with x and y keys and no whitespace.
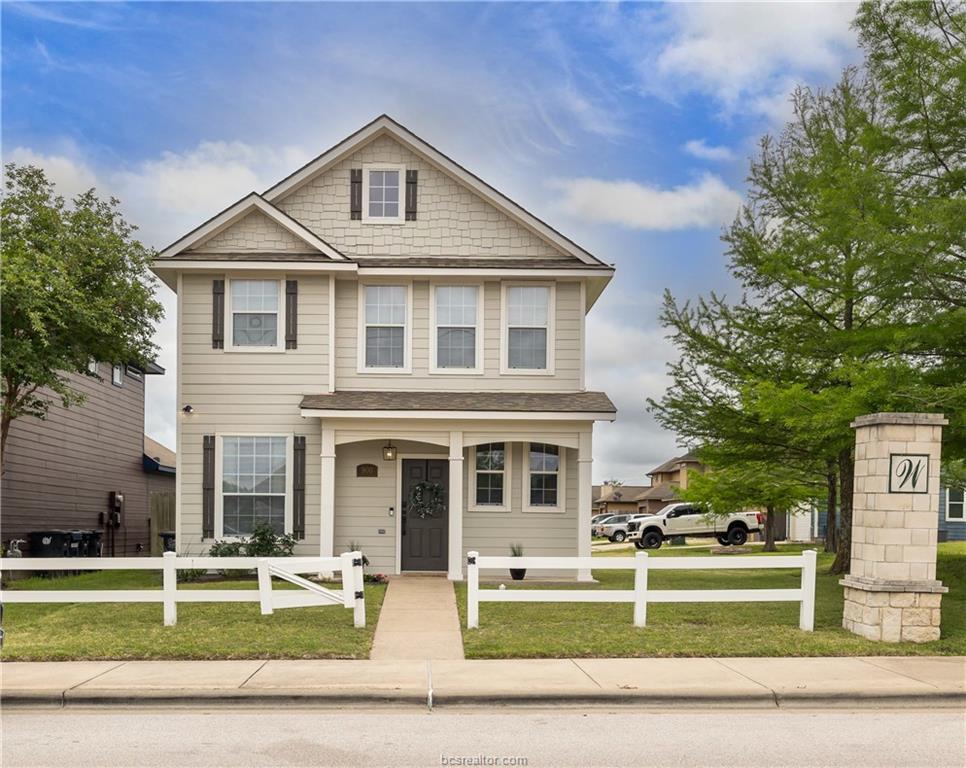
{"x":517,"y":574}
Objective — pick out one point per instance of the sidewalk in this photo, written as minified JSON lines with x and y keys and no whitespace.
{"x":658,"y":683}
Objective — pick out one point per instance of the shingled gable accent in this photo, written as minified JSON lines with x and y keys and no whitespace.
{"x":238,"y":211}
{"x":386,"y":126}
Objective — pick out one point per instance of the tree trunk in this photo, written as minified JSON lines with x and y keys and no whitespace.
{"x":843,"y":555}
{"x":831,"y":539}
{"x":770,"y":530}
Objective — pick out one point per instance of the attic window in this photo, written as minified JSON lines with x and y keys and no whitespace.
{"x":382,"y":187}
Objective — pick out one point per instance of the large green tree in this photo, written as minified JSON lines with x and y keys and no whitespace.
{"x":75,"y":287}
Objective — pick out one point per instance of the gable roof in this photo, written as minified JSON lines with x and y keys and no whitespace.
{"x":234,"y":213}
{"x":385,"y":125}
{"x":671,"y":464}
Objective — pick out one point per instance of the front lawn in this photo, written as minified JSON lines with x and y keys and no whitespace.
{"x":545,"y":630}
{"x":36,"y":632}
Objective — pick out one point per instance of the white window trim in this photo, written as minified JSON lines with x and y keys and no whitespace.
{"x":117,"y":375}
{"x":401,"y":217}
{"x":361,"y":368}
{"x":477,"y":369}
{"x":561,"y":504}
{"x":219,"y":476}
{"x":955,"y":519}
{"x":506,"y":506}
{"x":505,"y":369}
{"x":92,"y":365}
{"x":230,"y":316}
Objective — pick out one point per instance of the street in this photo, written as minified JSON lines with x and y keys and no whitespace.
{"x":562,"y":737}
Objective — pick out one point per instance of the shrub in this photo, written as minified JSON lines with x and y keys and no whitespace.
{"x":264,"y":542}
{"x":229,"y":549}
{"x":355,"y":546}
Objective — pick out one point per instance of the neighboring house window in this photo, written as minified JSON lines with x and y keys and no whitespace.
{"x":382,"y":193}
{"x":543,"y":483}
{"x":528,"y":332}
{"x":117,"y":375}
{"x":457,"y":324}
{"x":954,"y":504}
{"x":491,"y":485}
{"x":92,"y":365}
{"x":254,"y":313}
{"x":134,"y":373}
{"x":253,"y":483}
{"x":386,"y":316}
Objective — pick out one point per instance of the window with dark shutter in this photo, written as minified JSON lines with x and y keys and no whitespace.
{"x":412,"y":178}
{"x":298,"y":488}
{"x":355,"y":193}
{"x":291,"y":314}
{"x":208,"y":487}
{"x":217,"y":314}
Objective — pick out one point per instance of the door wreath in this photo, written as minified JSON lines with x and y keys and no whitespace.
{"x":426,"y":500}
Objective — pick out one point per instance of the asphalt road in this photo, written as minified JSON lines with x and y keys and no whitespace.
{"x":559,"y":738}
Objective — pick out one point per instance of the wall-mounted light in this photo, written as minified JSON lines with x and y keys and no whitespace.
{"x":389,"y":452}
{"x":188,"y":410}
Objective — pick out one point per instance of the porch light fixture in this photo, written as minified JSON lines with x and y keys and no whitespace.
{"x":389,"y":452}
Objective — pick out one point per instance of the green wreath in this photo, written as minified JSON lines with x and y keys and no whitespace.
{"x":426,"y":500}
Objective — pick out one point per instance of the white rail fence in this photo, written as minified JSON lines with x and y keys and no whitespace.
{"x":352,"y":594}
{"x":641,"y":595}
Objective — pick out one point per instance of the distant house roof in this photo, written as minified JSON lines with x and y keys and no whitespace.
{"x":627,"y":493}
{"x":158,"y":458}
{"x":671,"y":464}
{"x":659,"y":492}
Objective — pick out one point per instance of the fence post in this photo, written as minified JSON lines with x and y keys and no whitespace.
{"x":348,"y":581}
{"x":265,"y":587}
{"x":359,"y":591}
{"x":640,"y":589}
{"x":169,"y":588}
{"x":806,"y":615}
{"x":472,"y":591}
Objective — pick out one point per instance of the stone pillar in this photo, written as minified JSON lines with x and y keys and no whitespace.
{"x":891,"y":592}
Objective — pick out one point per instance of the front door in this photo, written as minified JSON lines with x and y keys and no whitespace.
{"x":425,"y":514}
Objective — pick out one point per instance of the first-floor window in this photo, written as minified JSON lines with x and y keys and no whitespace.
{"x":490,"y":467}
{"x":955,"y":504}
{"x":254,"y":313}
{"x":544,"y":473}
{"x":253,"y":483}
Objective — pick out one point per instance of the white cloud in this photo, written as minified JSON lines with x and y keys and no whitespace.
{"x":700,"y":148}
{"x":708,"y":202}
{"x":70,"y":176}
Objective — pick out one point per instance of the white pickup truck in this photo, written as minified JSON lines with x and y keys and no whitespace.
{"x":683,"y":519}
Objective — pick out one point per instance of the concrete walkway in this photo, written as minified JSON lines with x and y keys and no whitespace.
{"x":418,"y":620}
{"x":762,"y":683}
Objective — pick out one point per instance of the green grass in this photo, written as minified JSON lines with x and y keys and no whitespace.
{"x":204,"y":630}
{"x":546,"y":630}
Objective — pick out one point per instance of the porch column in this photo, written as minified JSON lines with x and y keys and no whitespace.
{"x":327,"y":494}
{"x":584,"y":498}
{"x":455,"y":506}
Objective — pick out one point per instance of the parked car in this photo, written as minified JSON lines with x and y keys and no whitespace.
{"x":683,"y":519}
{"x":596,"y":520}
{"x":614,"y":528}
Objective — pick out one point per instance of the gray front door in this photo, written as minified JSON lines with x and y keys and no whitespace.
{"x":425,"y":514}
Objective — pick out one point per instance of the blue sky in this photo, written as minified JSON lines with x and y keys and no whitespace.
{"x":626,"y":126}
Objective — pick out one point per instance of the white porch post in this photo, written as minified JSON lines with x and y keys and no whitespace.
{"x":327,"y":494}
{"x":455,"y":506}
{"x":584,"y":498}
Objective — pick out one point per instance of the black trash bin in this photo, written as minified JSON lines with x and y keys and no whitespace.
{"x":76,"y":544}
{"x":167,"y":538}
{"x":48,"y":543}
{"x":92,"y":542}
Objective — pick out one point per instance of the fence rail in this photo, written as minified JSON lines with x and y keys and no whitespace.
{"x":349,"y":564}
{"x":641,"y":595}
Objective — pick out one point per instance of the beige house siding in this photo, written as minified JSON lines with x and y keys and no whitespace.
{"x":451,"y":220}
{"x":254,"y":232}
{"x":248,"y":393}
{"x":567,"y":345}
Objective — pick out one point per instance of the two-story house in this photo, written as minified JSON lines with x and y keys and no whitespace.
{"x":666,"y":479}
{"x":384,"y":350}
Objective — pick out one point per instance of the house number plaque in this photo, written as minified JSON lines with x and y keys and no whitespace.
{"x":367,"y":470}
{"x":908,"y":473}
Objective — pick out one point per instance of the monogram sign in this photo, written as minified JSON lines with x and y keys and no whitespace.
{"x":908,"y":473}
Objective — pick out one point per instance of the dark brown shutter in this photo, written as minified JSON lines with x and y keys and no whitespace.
{"x":217,"y":314}
{"x":298,"y":488}
{"x":208,"y":488}
{"x":412,"y":177}
{"x":355,"y":193}
{"x":291,"y":314}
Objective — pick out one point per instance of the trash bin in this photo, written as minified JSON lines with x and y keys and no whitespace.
{"x":48,"y":543}
{"x":167,"y":538}
{"x":76,"y":545}
{"x":92,"y":541}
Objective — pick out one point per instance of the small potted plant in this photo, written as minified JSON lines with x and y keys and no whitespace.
{"x":517,"y":574}
{"x":355,"y":546}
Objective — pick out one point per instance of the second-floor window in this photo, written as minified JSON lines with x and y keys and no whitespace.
{"x":385,"y":315}
{"x":456,"y":339}
{"x":528,"y":331}
{"x":254,"y":313}
{"x":117,"y":375}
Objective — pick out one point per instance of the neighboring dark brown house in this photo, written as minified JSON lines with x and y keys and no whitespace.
{"x":665,"y":480}
{"x":615,"y":499}
{"x":63,"y":472}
